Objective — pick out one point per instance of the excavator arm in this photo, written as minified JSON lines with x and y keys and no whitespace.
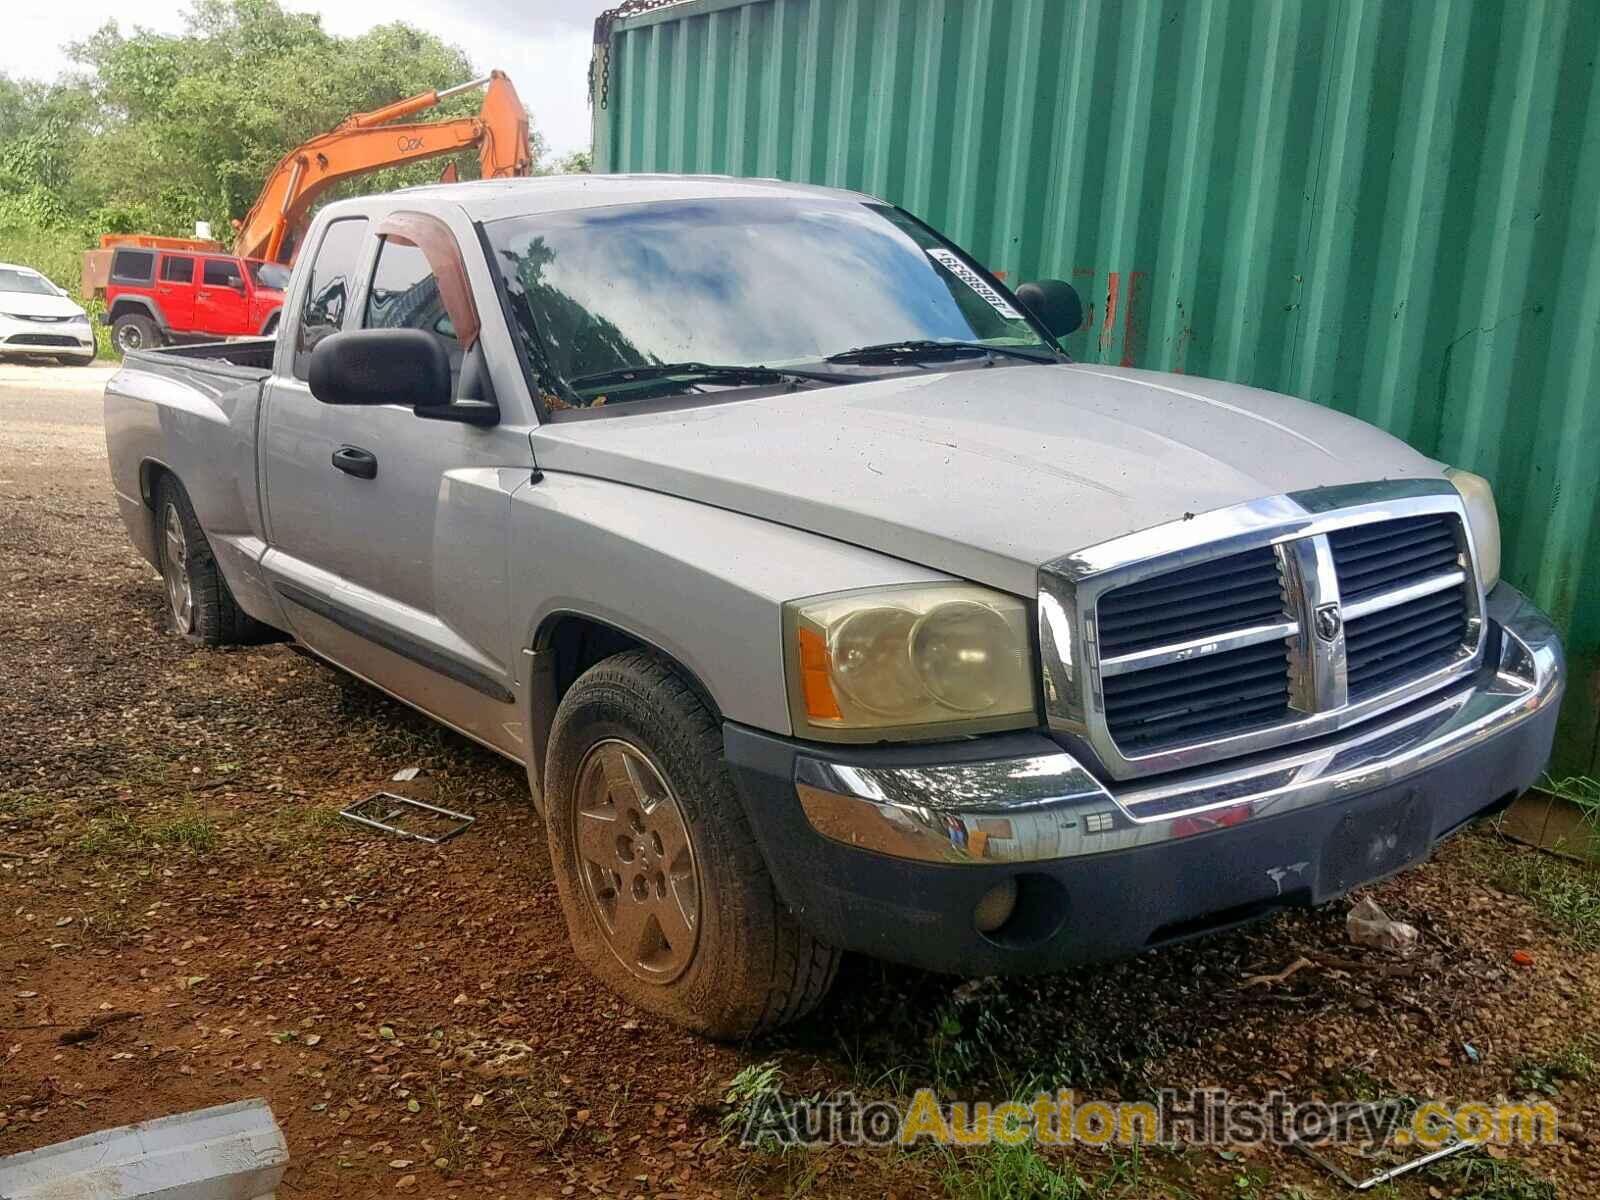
{"x":366,"y":142}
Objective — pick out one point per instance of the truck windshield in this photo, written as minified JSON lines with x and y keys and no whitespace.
{"x":740,"y":282}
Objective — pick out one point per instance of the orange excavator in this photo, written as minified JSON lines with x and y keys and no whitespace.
{"x":367,"y":142}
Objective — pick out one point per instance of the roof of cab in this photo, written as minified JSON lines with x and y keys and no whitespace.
{"x":490,"y":199}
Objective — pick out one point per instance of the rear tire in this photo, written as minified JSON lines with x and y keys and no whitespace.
{"x":200,"y":608}
{"x":667,"y":898}
{"x":134,"y":331}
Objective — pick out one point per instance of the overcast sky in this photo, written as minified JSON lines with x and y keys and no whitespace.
{"x":542,"y":44}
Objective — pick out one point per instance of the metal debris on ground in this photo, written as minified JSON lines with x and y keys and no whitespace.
{"x":407,"y":817}
{"x":1381,"y":1117}
{"x":1369,"y":925}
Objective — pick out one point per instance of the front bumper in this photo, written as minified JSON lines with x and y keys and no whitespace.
{"x":888,"y":850}
{"x":46,"y":337}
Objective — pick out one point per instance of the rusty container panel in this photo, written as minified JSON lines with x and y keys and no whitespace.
{"x":1388,"y":208}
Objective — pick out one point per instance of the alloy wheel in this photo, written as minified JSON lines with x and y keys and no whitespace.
{"x":636,"y":861}
{"x":175,"y":560}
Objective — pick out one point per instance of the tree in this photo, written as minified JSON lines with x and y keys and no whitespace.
{"x":162,"y":130}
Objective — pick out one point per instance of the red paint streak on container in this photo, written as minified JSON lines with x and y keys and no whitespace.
{"x":1131,"y":324}
{"x":1108,"y":327}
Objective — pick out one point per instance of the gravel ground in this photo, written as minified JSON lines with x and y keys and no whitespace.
{"x":184,"y":922}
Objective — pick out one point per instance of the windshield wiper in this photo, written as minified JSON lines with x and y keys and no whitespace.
{"x":699,"y":372}
{"x":917,"y":349}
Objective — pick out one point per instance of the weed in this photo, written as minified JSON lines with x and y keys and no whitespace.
{"x":22,"y":805}
{"x":1010,"y":1173}
{"x":992,"y":1031}
{"x":1567,"y":894}
{"x":748,"y":1094}
{"x":1574,"y":1062}
{"x":1477,"y":1176}
{"x":118,"y":835}
{"x":1022,"y":1173}
{"x":1582,"y":791}
{"x":191,"y":833}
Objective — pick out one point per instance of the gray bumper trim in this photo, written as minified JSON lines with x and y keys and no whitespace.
{"x":1049,"y":806}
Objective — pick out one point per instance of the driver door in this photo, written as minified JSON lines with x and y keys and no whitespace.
{"x":389,"y":531}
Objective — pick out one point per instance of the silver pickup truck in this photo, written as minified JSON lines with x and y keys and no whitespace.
{"x":827,"y":603}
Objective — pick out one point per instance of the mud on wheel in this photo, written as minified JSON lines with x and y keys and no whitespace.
{"x":666,"y":895}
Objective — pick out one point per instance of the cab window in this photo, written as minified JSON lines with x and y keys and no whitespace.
{"x":219,"y":272}
{"x":177,"y":269}
{"x":133,"y":266}
{"x":328,"y":289}
{"x":405,"y":295}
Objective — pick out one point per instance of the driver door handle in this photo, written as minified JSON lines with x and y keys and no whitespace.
{"x":353,"y":460}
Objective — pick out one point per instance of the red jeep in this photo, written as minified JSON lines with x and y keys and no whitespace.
{"x":156,"y":296}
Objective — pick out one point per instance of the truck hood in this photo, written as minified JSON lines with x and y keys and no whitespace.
{"x":985,"y":473}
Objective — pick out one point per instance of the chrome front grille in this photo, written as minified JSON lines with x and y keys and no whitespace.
{"x":1198,"y":641}
{"x":1193,"y":602}
{"x":1158,"y":688}
{"x":1392,"y":645}
{"x":1403,"y":586}
{"x":1377,"y":558}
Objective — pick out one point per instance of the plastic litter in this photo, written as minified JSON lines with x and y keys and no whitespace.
{"x":1369,"y":925}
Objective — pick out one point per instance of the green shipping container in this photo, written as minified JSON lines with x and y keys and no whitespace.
{"x":1386,"y":206}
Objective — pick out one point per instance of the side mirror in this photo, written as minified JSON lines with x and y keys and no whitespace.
{"x":381,"y":366}
{"x":396,"y":366}
{"x":1055,"y":303}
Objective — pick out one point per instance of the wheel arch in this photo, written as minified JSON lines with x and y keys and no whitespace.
{"x":567,"y":643}
{"x":142,"y":305}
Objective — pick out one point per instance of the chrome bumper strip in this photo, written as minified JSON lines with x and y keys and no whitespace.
{"x":1048,"y":806}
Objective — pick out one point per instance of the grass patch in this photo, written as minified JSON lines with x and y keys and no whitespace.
{"x":1567,"y":894}
{"x":995,"y":1031}
{"x":1022,"y":1173}
{"x":1474,"y":1175}
{"x":119,"y":835}
{"x":1573,"y":1063}
{"x":1581,"y":791}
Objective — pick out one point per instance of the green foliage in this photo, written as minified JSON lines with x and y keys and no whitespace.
{"x":1581,"y":791}
{"x":155,"y":131}
{"x":1566,"y":893}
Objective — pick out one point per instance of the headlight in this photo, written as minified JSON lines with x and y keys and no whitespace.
{"x":915,"y":661}
{"x":1483,"y":522}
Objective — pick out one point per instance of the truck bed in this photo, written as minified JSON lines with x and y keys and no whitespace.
{"x":250,"y":357}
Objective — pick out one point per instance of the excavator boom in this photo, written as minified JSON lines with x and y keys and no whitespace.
{"x":366,"y":142}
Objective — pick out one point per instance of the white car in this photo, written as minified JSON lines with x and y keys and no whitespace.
{"x":38,"y":318}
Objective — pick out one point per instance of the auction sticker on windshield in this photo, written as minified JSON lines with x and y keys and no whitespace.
{"x":971,"y":278}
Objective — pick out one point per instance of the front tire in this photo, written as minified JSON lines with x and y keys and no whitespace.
{"x":134,"y":331}
{"x":667,"y":898}
{"x":199,"y":606}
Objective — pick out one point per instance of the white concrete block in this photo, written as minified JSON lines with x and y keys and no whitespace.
{"x":231,"y":1152}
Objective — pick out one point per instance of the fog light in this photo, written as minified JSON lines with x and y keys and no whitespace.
{"x":996,"y":907}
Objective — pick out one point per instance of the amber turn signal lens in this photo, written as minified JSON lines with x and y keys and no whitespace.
{"x":818,"y":692}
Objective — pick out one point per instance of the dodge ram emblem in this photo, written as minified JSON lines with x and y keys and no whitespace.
{"x":1328,"y":622}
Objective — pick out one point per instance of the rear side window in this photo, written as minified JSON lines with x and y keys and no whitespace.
{"x":133,"y":266}
{"x":332,"y":282}
{"x":219,"y":272}
{"x":405,"y":294}
{"x":177,"y":270}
